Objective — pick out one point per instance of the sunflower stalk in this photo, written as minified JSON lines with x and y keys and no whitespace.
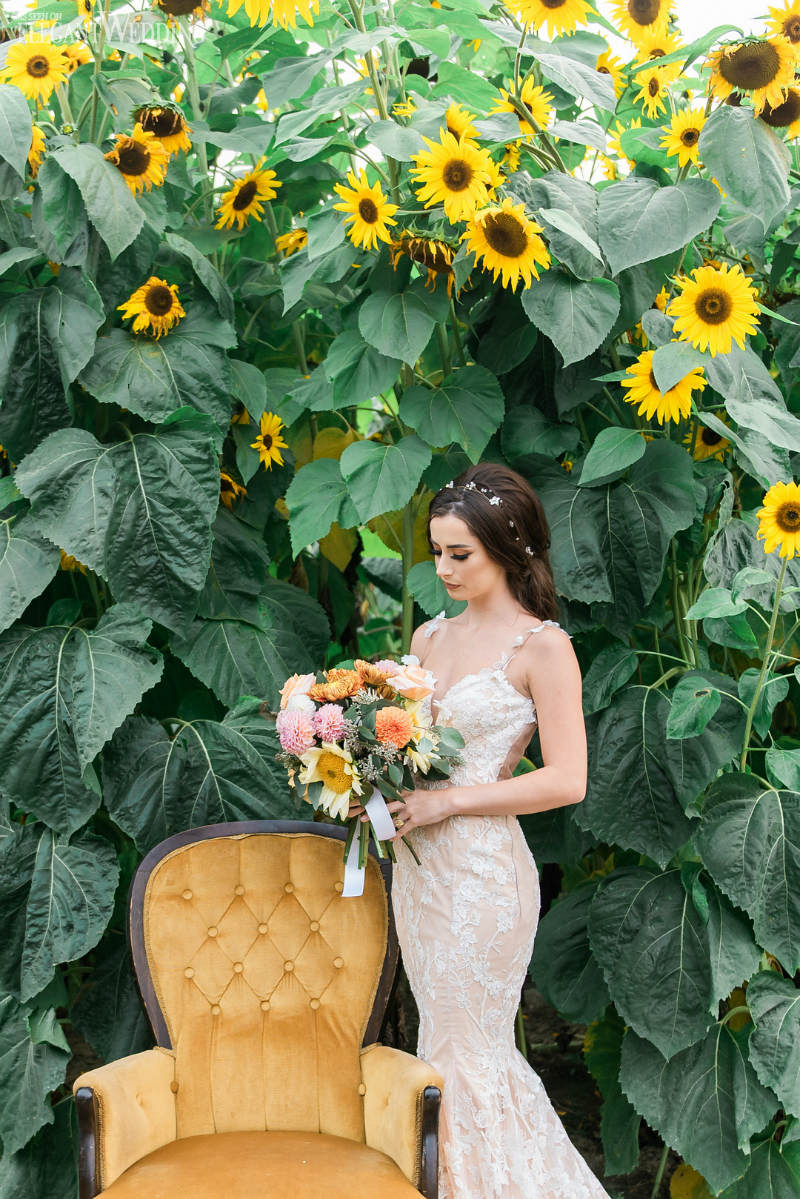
{"x":297,"y":331}
{"x":764,"y":664}
{"x":444,"y":349}
{"x":380,"y":99}
{"x":677,"y":612}
{"x":409,"y":517}
{"x":457,"y":335}
{"x":194,"y":95}
{"x":98,"y":59}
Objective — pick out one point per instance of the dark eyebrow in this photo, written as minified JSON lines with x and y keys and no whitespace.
{"x":460,"y":546}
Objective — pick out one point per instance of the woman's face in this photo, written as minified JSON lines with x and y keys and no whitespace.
{"x":462,"y":563}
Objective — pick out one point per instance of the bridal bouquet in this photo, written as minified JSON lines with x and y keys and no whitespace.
{"x":363,"y":733}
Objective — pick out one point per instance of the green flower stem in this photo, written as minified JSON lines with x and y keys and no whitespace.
{"x":759,"y":685}
{"x":444,"y":349}
{"x":98,"y":61}
{"x":380,"y":99}
{"x":659,"y":1173}
{"x":194,"y":96}
{"x":409,"y":516}
{"x":676,"y":606}
{"x":735,"y":1011}
{"x":462,"y":358}
{"x":99,"y":606}
{"x":63,"y":103}
{"x":297,"y":329}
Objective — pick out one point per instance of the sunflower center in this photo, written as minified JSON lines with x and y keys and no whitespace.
{"x":657,"y":52}
{"x":603,"y":71}
{"x":783,"y":114}
{"x":454,"y":132}
{"x":788,"y":517}
{"x":435,"y":258}
{"x":158,"y":300}
{"x":791,"y":28}
{"x":245,"y":194}
{"x":709,"y":437}
{"x":37,"y":65}
{"x":134,"y":158}
{"x":654,"y":87}
{"x":644,"y":12}
{"x":505,"y":235}
{"x":368,"y":210}
{"x":554,"y":3}
{"x":331,"y":768}
{"x":653,"y":383}
{"x":690,"y":137}
{"x":457,"y":175}
{"x":163,"y":122}
{"x":267,"y":440}
{"x":751,"y":66}
{"x":713,"y":306}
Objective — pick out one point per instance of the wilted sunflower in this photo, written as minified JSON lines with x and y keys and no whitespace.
{"x":140,"y":159}
{"x":77,"y":53}
{"x":431,"y":252}
{"x":229,"y":490}
{"x":167,"y":124}
{"x":682,"y":135}
{"x":269,"y":442}
{"x":35,"y":66}
{"x":368,"y":209}
{"x":717,"y":306}
{"x":652,"y":92}
{"x":653,"y":46}
{"x":455,"y":174}
{"x":672,"y":405}
{"x":779,"y":519}
{"x":786,"y":21}
{"x":537,"y":101}
{"x":508,"y":243}
{"x":607,"y":64}
{"x":70,"y":563}
{"x":639,"y":18}
{"x":762,"y":69}
{"x":785,"y":116}
{"x":458,"y":122}
{"x":155,"y":306}
{"x":284,"y":12}
{"x":289,"y":243}
{"x":561,"y":16}
{"x":707,"y":443}
{"x":36,"y":152}
{"x":247,"y":198}
{"x":183,"y":8}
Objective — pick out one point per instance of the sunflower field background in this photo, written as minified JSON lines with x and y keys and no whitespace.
{"x":270,"y":274}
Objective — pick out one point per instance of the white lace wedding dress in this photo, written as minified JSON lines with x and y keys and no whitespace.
{"x":466,"y":920}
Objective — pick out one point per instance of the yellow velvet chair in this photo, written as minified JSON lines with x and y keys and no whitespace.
{"x":266,"y":991}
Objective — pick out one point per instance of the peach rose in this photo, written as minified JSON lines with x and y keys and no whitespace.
{"x":412,"y":680}
{"x":298,"y":684}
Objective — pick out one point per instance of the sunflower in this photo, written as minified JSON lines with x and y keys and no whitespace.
{"x":333,"y":766}
{"x":229,"y":490}
{"x":786,"y":21}
{"x":458,"y":122}
{"x":614,"y":142}
{"x":77,"y":53}
{"x":652,"y":92}
{"x":762,"y":69}
{"x":35,"y":66}
{"x":289,"y":243}
{"x":537,"y":101}
{"x":510,"y":160}
{"x":70,"y":563}
{"x":779,"y":519}
{"x":717,"y":306}
{"x":561,"y":16}
{"x":167,"y":124}
{"x":683,"y":135}
{"x":455,"y":174}
{"x":404,"y":108}
{"x":639,"y":18}
{"x":433,"y":253}
{"x":284,"y":12}
{"x":140,"y":159}
{"x":785,"y":116}
{"x":36,"y":152}
{"x":269,"y":442}
{"x":261,"y":100}
{"x":507,"y":242}
{"x":707,"y":443}
{"x":607,"y":64}
{"x":675,"y":404}
{"x":155,"y":305}
{"x":368,"y":209}
{"x":247,"y":198}
{"x":85,"y":8}
{"x":653,"y":46}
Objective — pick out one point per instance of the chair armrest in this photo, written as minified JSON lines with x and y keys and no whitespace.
{"x":126,"y":1109}
{"x":401,"y":1112}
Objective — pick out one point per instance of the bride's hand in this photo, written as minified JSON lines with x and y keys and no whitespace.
{"x":418,"y":808}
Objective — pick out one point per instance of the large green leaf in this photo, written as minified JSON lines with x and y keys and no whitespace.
{"x":358,"y":371}
{"x":749,"y":838}
{"x":639,"y":220}
{"x":733,"y":548}
{"x":45,"y":1166}
{"x":428,"y":590}
{"x":466,"y":408}
{"x":108,"y":1012}
{"x":208,"y":275}
{"x":58,"y":213}
{"x":109,"y":202}
{"x":29,"y":1071}
{"x":693,"y":703}
{"x":316,"y":499}
{"x":750,"y":161}
{"x":27,"y":564}
{"x":566,"y":68}
{"x":773,"y":1171}
{"x":608,"y":671}
{"x":209,"y":772}
{"x":398,"y":324}
{"x":563,"y":967}
{"x":63,"y":691}
{"x":774,"y":1004}
{"x":774,"y":688}
{"x":577,"y":315}
{"x":654,"y":936}
{"x":382,"y":477}
{"x":706,"y":1102}
{"x":15,"y":128}
{"x":612,"y":452}
{"x":238,"y":571}
{"x":692,"y":761}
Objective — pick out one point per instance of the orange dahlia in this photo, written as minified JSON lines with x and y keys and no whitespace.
{"x":340,"y":684}
{"x":394,"y":725}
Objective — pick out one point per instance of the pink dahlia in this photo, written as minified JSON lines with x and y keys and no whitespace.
{"x":295,"y":731}
{"x":328,"y":722}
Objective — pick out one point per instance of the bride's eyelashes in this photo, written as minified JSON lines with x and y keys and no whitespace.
{"x":455,"y":557}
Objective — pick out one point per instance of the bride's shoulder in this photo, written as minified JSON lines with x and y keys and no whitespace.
{"x":424,"y":631}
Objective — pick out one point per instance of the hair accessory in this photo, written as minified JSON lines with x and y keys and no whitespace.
{"x":494,"y":500}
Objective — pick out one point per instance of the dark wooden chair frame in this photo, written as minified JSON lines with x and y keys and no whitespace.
{"x":85,"y":1100}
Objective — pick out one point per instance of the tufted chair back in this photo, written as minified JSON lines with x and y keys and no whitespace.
{"x":259,"y":976}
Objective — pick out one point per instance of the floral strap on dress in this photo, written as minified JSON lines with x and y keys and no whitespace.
{"x":434,"y":624}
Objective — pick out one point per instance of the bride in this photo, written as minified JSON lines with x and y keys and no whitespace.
{"x":467,"y":915}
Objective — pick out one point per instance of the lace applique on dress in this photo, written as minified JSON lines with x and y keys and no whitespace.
{"x":466,"y":918}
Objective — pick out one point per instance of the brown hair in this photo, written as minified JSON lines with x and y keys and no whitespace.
{"x":505,"y":530}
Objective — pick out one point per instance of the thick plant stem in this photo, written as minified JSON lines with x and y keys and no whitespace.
{"x":676,"y":608}
{"x":409,"y":514}
{"x":659,"y":1173}
{"x":194,"y":96}
{"x":98,"y":59}
{"x":768,"y":648}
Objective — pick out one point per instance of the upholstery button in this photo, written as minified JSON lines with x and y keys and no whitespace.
{"x":314,"y":926}
{"x":215,"y":1009}
{"x":173,"y":1086}
{"x":314,"y":1004}
{"x":338,"y":886}
{"x":189,"y":972}
{"x":338,"y":963}
{"x":238,"y":889}
{"x":362,"y":1090}
{"x":238,"y":967}
{"x":263,"y":928}
{"x":288,"y":888}
{"x":264,"y":1005}
{"x":212,"y":932}
{"x":288,"y":967}
{"x":187,"y":894}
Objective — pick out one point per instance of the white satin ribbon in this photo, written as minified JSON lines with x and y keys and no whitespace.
{"x":383,"y":827}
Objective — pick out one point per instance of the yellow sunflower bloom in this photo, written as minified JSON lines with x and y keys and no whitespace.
{"x":707,"y":443}
{"x":779,"y":519}
{"x":247,"y":198}
{"x":368,"y":209}
{"x":507,"y":243}
{"x":70,"y":563}
{"x":653,"y":46}
{"x":510,"y":159}
{"x":683,"y":134}
{"x":652,"y":93}
{"x":672,"y":405}
{"x":761,"y":69}
{"x":269,"y":442}
{"x":284,"y":12}
{"x":607,"y":64}
{"x":77,"y":53}
{"x":786,"y":116}
{"x":717,"y":306}
{"x":167,"y":124}
{"x":404,"y":108}
{"x":459,"y":123}
{"x":786,"y":22}
{"x":229,"y":490}
{"x":560,"y":16}
{"x":334,"y":767}
{"x":454,"y":174}
{"x":140,"y":159}
{"x":614,"y":142}
{"x":35,"y":66}
{"x":638,"y":19}
{"x":431,"y":252}
{"x":289,"y":243}
{"x":36,"y":152}
{"x":155,"y":307}
{"x":537,"y":101}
